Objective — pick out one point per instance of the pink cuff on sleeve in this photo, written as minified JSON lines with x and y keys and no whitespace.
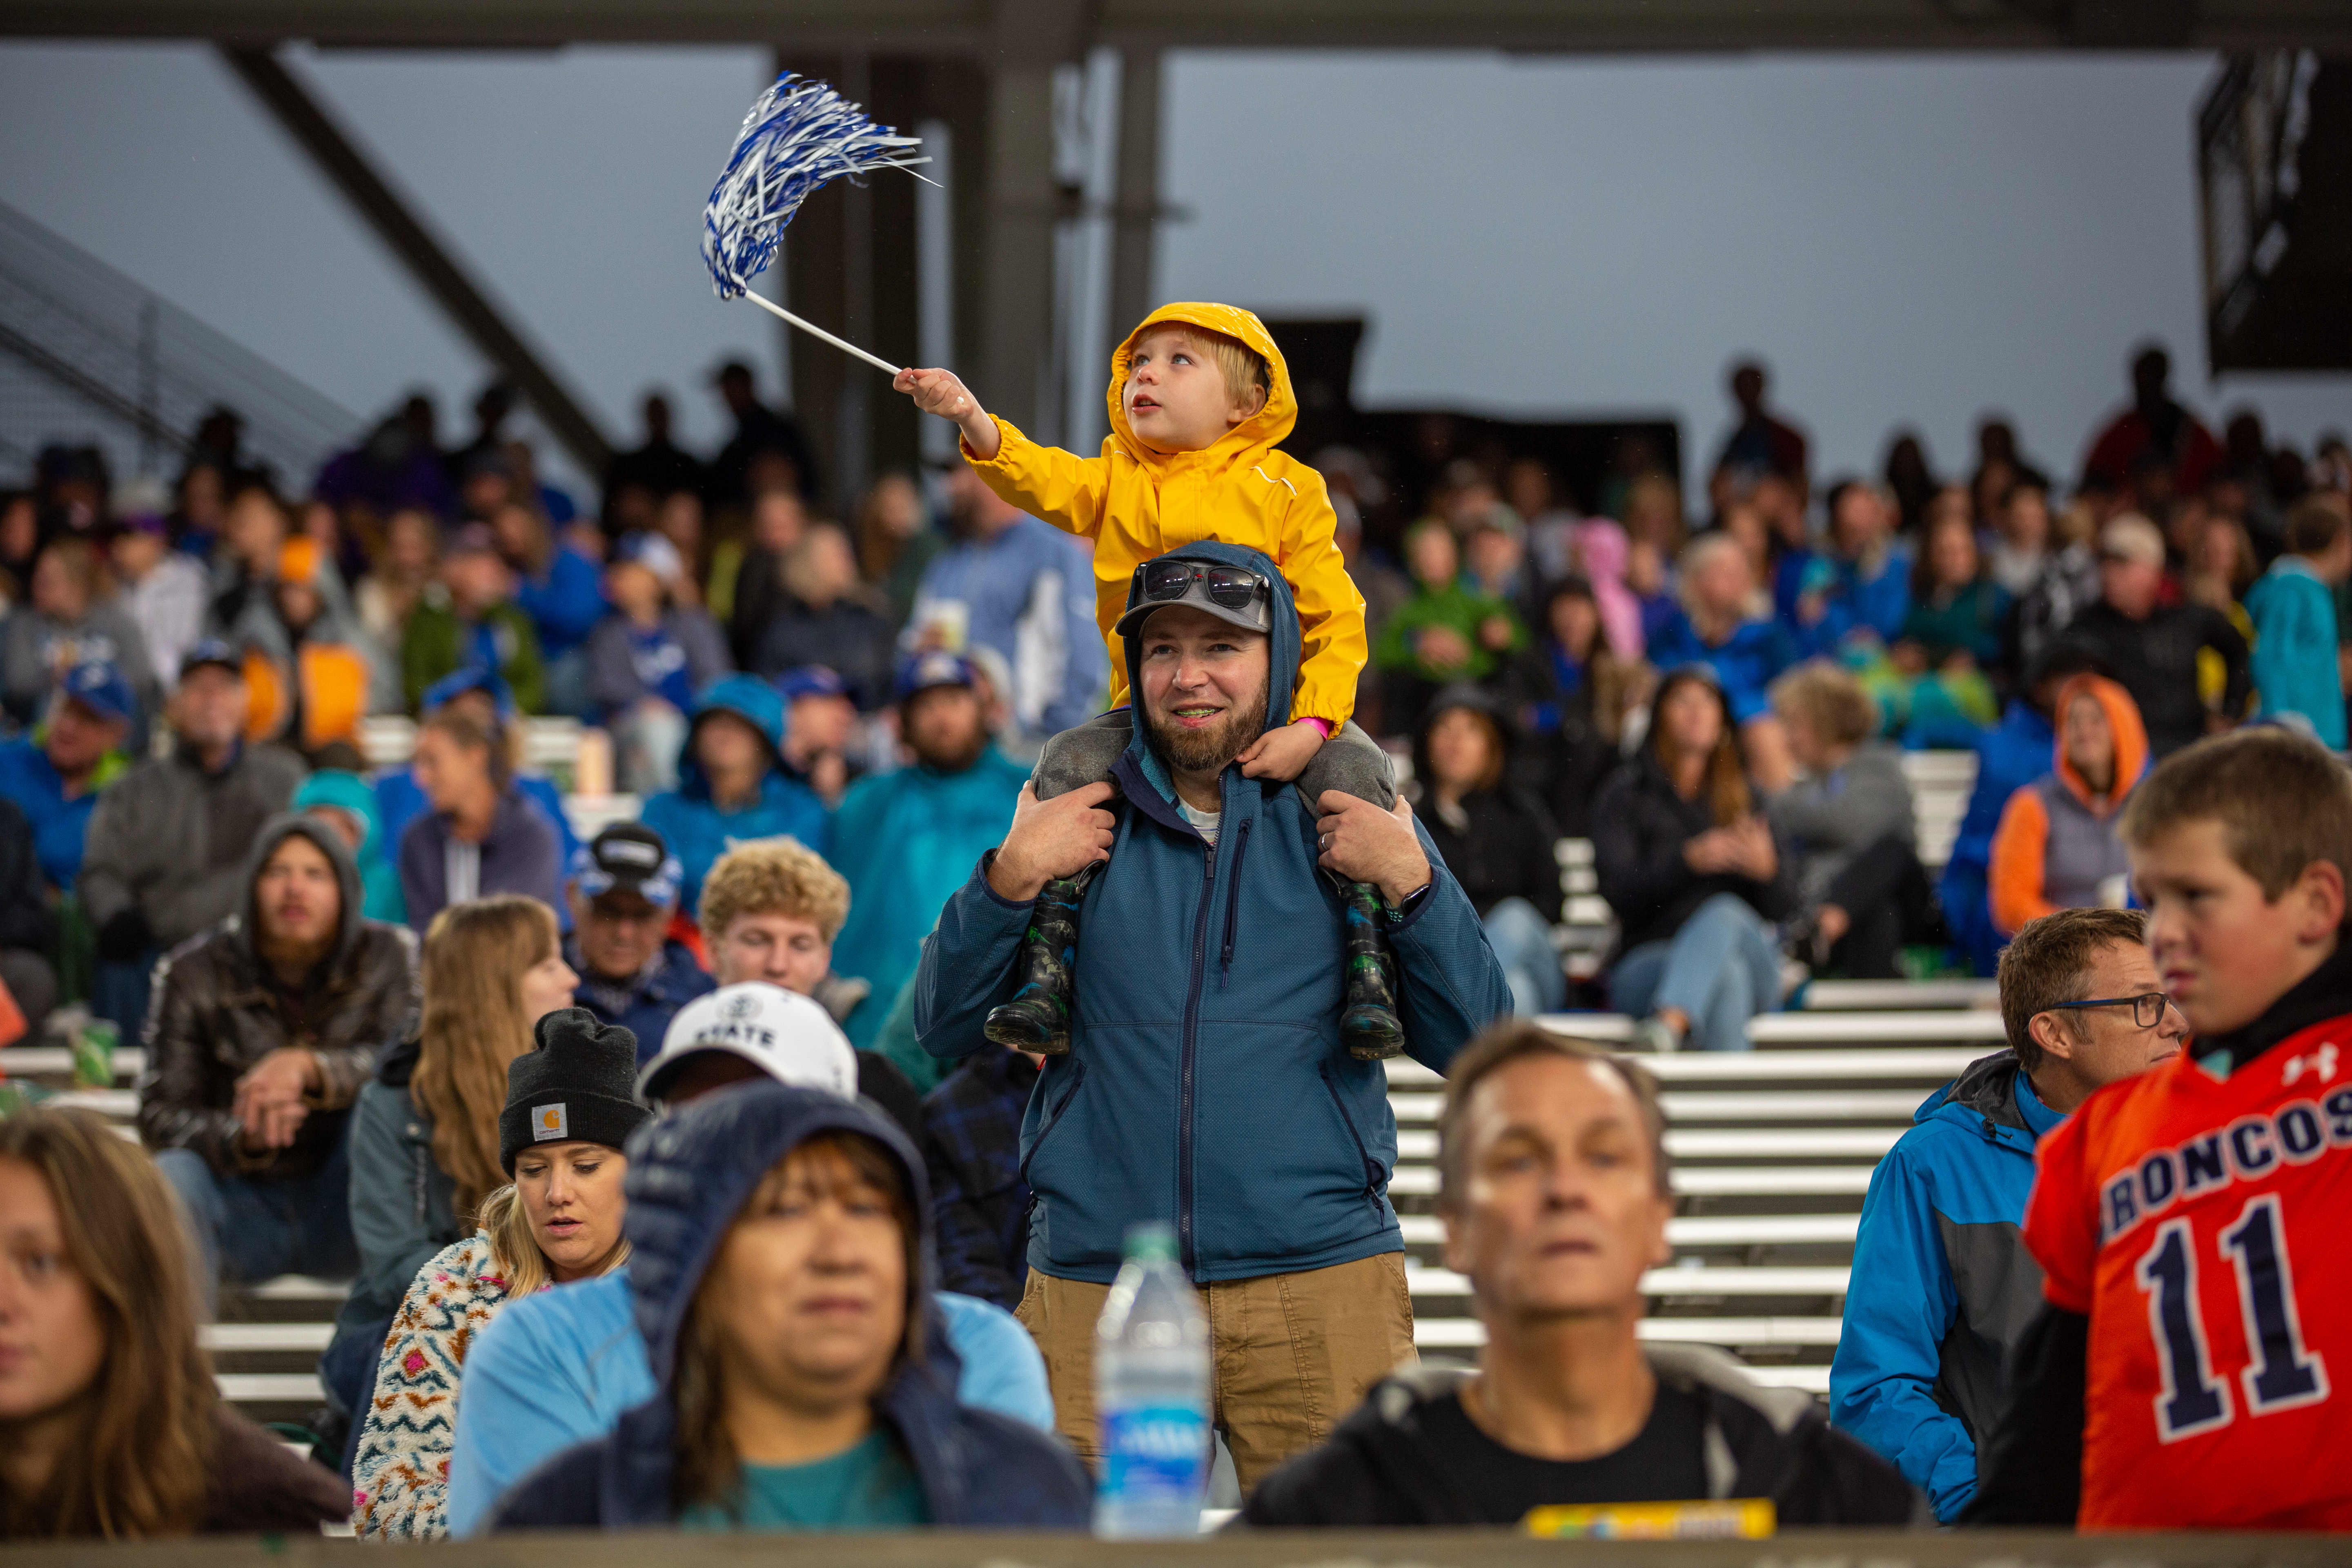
{"x":1322,"y":726}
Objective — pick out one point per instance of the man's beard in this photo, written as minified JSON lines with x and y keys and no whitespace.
{"x":952,"y":756}
{"x":1209,"y":751}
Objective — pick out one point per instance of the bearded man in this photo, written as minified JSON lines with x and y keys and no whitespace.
{"x":1207,"y":1081}
{"x":907,"y":839}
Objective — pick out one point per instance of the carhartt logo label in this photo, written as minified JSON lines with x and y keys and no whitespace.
{"x":2320,"y":1064}
{"x":549,"y":1122}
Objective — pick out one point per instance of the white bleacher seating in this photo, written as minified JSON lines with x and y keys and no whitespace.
{"x":1773,"y":1150}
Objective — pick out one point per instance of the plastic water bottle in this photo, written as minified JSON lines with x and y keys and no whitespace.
{"x":1152,"y":1395}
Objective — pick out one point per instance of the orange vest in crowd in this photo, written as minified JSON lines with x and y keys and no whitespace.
{"x":334,"y":689}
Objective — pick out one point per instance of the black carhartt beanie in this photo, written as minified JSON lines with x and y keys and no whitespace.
{"x":578,"y":1083}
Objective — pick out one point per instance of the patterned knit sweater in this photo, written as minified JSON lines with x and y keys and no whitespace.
{"x":401,"y":1472}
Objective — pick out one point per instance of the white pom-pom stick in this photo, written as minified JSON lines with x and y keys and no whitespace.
{"x":800,"y":134}
{"x":876,"y":360}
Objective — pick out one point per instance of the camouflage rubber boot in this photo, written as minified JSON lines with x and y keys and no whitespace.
{"x":1369,"y":1026}
{"x":1038,"y":1018}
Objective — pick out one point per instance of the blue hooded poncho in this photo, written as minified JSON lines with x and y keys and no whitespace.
{"x":690,"y":1174}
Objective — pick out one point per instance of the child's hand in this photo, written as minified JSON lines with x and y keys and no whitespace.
{"x":1282,"y":754}
{"x":940,"y":392}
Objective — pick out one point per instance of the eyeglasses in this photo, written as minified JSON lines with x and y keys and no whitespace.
{"x":2147,"y":1008}
{"x":1231,"y":587}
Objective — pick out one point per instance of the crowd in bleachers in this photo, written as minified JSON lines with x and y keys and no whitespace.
{"x":361,"y":988}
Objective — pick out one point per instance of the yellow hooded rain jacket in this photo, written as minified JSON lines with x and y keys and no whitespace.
{"x":1135,"y":503}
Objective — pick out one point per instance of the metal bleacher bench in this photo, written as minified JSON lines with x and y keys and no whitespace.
{"x":1940,"y":782}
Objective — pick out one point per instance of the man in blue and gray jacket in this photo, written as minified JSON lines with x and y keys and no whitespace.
{"x":1942,"y":1283}
{"x":1206,"y":1082}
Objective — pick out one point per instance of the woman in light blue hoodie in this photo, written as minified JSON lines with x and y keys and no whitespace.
{"x":2294,"y":611}
{"x":727,"y":791}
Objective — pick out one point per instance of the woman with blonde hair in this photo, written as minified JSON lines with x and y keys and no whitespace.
{"x":110,"y":1422}
{"x":570,"y":1105}
{"x":424,"y":1133}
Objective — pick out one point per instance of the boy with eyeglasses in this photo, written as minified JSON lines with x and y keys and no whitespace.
{"x":2198,"y":1303}
{"x":1199,"y":397}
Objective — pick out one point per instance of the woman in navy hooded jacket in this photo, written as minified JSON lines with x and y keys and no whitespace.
{"x":780,"y":1239}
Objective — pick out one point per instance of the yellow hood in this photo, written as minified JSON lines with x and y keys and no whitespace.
{"x":1243,"y":443}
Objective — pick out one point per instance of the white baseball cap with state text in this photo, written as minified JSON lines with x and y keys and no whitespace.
{"x":786,"y":1035}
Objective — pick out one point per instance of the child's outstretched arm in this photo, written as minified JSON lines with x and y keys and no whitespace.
{"x":943,"y":392}
{"x":1065,"y":490}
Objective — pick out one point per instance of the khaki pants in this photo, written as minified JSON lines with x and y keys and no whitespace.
{"x":1290,"y":1353}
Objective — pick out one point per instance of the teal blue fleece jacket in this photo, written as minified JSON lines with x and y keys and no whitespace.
{"x":906,"y":841}
{"x":1205,"y":1083}
{"x":2294,"y":663}
{"x":1943,"y":1286}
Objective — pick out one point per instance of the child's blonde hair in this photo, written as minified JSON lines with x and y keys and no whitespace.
{"x":1242,"y":366}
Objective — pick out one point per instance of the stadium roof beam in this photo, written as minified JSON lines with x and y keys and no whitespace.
{"x":339,"y":159}
{"x":976,"y":28}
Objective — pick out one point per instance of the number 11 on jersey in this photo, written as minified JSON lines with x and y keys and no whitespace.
{"x":2281,"y":1374}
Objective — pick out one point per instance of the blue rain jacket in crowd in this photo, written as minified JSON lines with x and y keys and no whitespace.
{"x":1746,"y":665}
{"x":690,"y":1174}
{"x":60,"y":826}
{"x":2010,"y":755}
{"x":565,"y":602}
{"x":1854,"y":603}
{"x":1205,"y":1082}
{"x":696,"y":828}
{"x":907,"y":840}
{"x":1943,"y":1286}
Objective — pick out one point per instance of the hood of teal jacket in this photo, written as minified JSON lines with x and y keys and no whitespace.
{"x":345,"y":791}
{"x":749,"y":698}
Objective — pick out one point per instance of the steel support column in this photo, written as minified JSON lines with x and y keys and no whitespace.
{"x":428,"y":260}
{"x":1134,"y":208}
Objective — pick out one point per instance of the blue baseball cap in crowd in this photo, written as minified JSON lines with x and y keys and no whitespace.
{"x":920,"y":672}
{"x":473,"y":678}
{"x":627,"y":857}
{"x":811,"y":680}
{"x":97,"y":686}
{"x":214,"y":651}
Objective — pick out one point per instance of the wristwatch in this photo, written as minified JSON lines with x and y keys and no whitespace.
{"x":1403,"y":911}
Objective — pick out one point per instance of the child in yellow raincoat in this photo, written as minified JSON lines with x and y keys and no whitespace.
{"x":1199,"y":395}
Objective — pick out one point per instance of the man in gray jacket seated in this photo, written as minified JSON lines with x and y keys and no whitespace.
{"x":1555,"y":1190}
{"x":168,"y":839}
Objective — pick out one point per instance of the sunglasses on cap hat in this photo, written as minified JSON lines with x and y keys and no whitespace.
{"x":1228,"y":587}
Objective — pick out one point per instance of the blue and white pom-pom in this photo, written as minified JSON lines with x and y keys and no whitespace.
{"x":799,"y":135}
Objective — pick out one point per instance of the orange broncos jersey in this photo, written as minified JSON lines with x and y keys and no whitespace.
{"x":2205,"y":1229}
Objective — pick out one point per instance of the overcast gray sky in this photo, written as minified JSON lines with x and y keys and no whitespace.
{"x":1906,"y":240}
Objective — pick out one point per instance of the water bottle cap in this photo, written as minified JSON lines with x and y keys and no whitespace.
{"x":1151,"y":1242}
